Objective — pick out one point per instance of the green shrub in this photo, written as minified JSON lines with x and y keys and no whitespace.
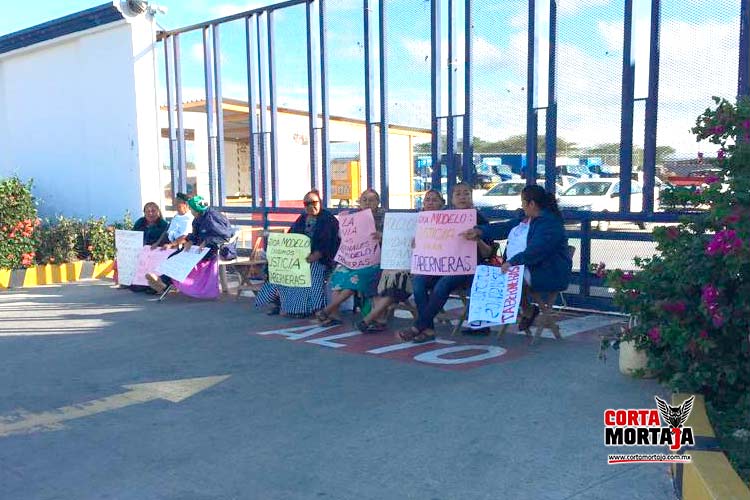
{"x":18,"y":224}
{"x":58,"y":240}
{"x":691,"y":301}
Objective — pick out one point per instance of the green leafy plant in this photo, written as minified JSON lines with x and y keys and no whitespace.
{"x":58,"y":240}
{"x":18,"y":224}
{"x":691,"y":301}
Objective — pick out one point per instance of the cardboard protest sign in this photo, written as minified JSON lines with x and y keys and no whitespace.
{"x":438,"y":248}
{"x":287,"y":264}
{"x":128,"y":245}
{"x":179,"y":266}
{"x":357,"y":249}
{"x":398,"y":236}
{"x":496,"y":296}
{"x":148,"y":262}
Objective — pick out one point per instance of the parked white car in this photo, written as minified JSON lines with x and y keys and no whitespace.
{"x":601,"y":195}
{"x":503,"y":196}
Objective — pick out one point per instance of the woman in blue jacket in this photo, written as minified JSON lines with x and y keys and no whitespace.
{"x":545,"y":255}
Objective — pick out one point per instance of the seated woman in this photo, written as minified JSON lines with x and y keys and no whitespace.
{"x":395,"y":286}
{"x":153,"y":226}
{"x":152,"y":223}
{"x":211,"y":229}
{"x":323,"y":229}
{"x":432,"y":292}
{"x":179,"y":227}
{"x":346,"y":282}
{"x":539,"y":243}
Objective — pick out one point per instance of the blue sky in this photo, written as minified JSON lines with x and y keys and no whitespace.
{"x":699,"y":59}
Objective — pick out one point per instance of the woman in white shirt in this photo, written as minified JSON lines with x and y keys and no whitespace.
{"x":179,"y":227}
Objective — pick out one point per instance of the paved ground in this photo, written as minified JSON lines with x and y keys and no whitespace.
{"x":336,"y":418}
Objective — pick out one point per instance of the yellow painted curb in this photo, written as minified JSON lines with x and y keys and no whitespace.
{"x":49,"y":274}
{"x":4,"y":278}
{"x":709,"y":475}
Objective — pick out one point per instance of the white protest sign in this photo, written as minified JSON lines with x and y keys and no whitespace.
{"x":496,"y":296}
{"x":148,"y":262}
{"x":358,"y":249}
{"x":179,"y":266}
{"x":398,"y":235}
{"x":128,"y":245}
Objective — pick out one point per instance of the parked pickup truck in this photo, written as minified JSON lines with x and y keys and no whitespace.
{"x":695,"y":178}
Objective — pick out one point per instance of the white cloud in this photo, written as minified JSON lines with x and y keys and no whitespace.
{"x":568,"y":7}
{"x":484,"y":52}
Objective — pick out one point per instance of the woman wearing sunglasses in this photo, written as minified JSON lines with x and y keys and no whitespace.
{"x":323,"y":229}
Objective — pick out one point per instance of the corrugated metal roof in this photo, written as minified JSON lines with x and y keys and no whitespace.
{"x":79,"y":21}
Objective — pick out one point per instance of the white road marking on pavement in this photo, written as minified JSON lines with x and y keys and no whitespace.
{"x":171,"y":390}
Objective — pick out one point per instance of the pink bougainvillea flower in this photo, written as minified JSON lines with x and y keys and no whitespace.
{"x":654,"y":334}
{"x":628,"y":276}
{"x":718,"y":130}
{"x":724,"y":242}
{"x":673,"y":233}
{"x":717,"y":319}
{"x":746,"y":124}
{"x":711,"y":179}
{"x":704,"y":334}
{"x":710,"y":296}
{"x":721,"y":154}
{"x":732,"y":219}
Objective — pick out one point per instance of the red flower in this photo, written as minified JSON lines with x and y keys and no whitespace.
{"x":655,"y":334}
{"x":674,"y":307}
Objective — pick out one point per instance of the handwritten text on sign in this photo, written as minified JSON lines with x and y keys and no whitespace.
{"x":438,"y":248}
{"x":398,"y":237}
{"x":179,"y":266}
{"x":287,"y":264}
{"x":358,"y":249}
{"x":495,"y":296}
{"x":148,"y":262}
{"x":128,"y":245}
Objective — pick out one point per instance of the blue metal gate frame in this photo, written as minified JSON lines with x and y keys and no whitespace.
{"x":262,"y":97}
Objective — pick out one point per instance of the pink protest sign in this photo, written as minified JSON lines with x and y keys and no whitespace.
{"x":358,"y":249}
{"x":148,"y":262}
{"x":438,"y":248}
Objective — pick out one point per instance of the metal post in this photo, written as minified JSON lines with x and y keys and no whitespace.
{"x":652,"y":104}
{"x":274,"y":110}
{"x":181,"y":162}
{"x":262,"y":91}
{"x":384,"y":193}
{"x":325,"y":145}
{"x":468,"y":139}
{"x":628,"y":96}
{"x":312,"y":102}
{"x":219,"y":117}
{"x":208,"y":80}
{"x":550,"y":143}
{"x":450,"y":153}
{"x":369,"y":84}
{"x":173,"y":168}
{"x":531,"y":114}
{"x":585,"y":284}
{"x":252,"y":73}
{"x":743,"y":84}
{"x":436,"y":91}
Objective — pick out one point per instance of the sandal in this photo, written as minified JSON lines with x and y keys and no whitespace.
{"x":407,"y":335}
{"x":331,"y":322}
{"x":321,"y":316}
{"x":426,"y":335}
{"x":370,"y":327}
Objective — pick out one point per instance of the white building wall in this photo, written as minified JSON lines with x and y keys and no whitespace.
{"x":77,"y":114}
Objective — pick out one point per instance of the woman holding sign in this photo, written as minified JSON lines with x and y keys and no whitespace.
{"x":350,"y":277}
{"x":211,"y":229}
{"x":539,"y":243}
{"x":432,"y":292}
{"x":395,"y":286}
{"x":323,"y":229}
